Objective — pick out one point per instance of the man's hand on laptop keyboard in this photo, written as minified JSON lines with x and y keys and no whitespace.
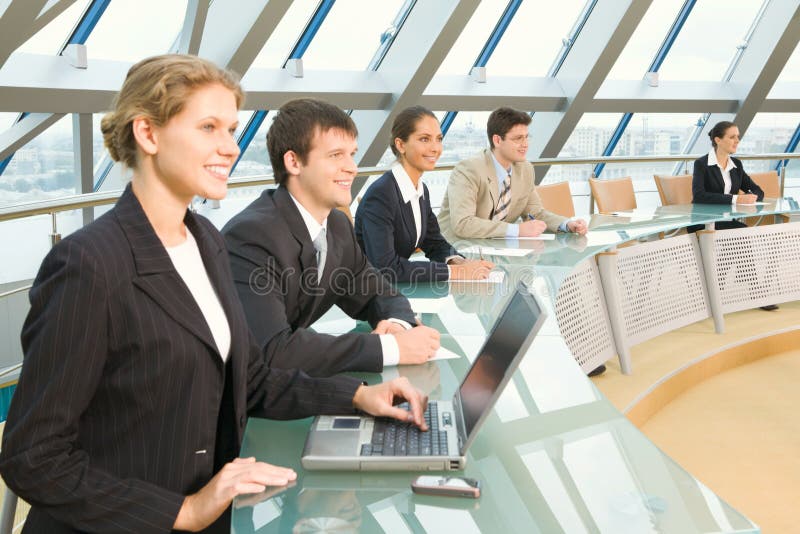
{"x":379,"y":400}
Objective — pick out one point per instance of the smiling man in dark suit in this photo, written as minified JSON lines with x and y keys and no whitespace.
{"x":294,"y":256}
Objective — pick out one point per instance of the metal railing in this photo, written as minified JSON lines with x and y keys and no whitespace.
{"x":89,"y":200}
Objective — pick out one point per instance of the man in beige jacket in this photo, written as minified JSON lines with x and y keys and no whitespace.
{"x":488,"y":194}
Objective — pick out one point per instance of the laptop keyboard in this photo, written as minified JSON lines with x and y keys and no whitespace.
{"x":391,"y":437}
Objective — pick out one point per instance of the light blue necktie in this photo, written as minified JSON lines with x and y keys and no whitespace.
{"x":321,"y":246}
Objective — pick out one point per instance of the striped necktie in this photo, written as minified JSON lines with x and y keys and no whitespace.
{"x":505,"y":200}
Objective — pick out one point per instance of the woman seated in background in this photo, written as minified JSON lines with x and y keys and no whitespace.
{"x":395,"y":217}
{"x":719,"y":178}
{"x":139,"y":368}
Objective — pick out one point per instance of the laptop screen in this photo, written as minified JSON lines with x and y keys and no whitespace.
{"x":478,"y":389}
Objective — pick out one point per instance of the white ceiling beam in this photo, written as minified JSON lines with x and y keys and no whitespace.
{"x":43,"y":83}
{"x":427,"y":35}
{"x":22,"y":19}
{"x":193,"y":23}
{"x":636,"y":96}
{"x":236,"y":30}
{"x":463,"y":93}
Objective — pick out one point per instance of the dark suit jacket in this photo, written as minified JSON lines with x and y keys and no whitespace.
{"x":708,"y":187}
{"x":118,"y":408}
{"x":275,"y":272}
{"x":386,"y":232}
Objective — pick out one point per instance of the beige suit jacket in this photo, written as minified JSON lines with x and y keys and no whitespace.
{"x":472,"y":196}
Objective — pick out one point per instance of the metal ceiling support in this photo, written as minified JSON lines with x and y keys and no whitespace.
{"x":600,"y":42}
{"x":193,"y":23}
{"x":86,"y":25}
{"x":486,"y":52}
{"x":661,"y":55}
{"x":79,"y":35}
{"x":84,"y":157}
{"x":298,"y":50}
{"x":756,"y":66}
{"x":567,"y":43}
{"x":409,"y":65}
{"x":236,"y":30}
{"x":22,"y":19}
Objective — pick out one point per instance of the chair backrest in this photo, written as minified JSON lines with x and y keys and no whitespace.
{"x":674,"y":189}
{"x":557,"y":198}
{"x":769,"y":182}
{"x":613,"y":195}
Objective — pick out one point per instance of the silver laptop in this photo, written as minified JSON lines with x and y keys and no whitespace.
{"x":353,"y":443}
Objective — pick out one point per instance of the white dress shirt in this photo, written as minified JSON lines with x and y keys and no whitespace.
{"x":726,"y":172}
{"x":187,"y":261}
{"x":389,"y":346}
{"x":410,"y":194}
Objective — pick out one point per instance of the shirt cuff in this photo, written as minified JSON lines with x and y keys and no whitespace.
{"x":563,"y":226}
{"x":733,"y":198}
{"x":400,"y":322}
{"x":512,"y":231}
{"x":390,"y":349}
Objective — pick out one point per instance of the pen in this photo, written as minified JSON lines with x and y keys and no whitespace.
{"x":480,"y":252}
{"x":531,"y":217}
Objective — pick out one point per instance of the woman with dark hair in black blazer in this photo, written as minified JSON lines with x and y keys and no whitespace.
{"x":719,"y":178}
{"x":395,"y":217}
{"x":139,"y":368}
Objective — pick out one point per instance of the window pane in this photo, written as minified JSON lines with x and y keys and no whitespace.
{"x":466,"y":137}
{"x":700,"y":53}
{"x":7,"y":120}
{"x":42,"y":169}
{"x":280,"y":43}
{"x":255,"y":159}
{"x":523,"y":52}
{"x":130,"y":31}
{"x":341,"y":44}
{"x":641,"y":49}
{"x":588,"y":139}
{"x":768,"y":133}
{"x":49,"y":39}
{"x":475,"y":34}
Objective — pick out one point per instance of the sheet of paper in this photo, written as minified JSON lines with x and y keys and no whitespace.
{"x":497,"y":251}
{"x":540,"y":237}
{"x":444,"y":354}
{"x":751,"y":204}
{"x":495,"y":277}
{"x":428,"y":305}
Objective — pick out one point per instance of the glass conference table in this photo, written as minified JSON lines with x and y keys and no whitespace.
{"x":554,"y":456}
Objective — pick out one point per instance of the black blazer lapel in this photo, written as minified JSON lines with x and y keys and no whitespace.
{"x":716,"y":174}
{"x":406,"y":214}
{"x":156,"y":276}
{"x":289,"y":212}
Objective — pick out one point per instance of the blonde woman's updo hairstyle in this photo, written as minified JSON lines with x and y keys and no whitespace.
{"x":157,"y":88}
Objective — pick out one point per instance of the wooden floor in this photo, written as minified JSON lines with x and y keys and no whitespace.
{"x":725,"y":408}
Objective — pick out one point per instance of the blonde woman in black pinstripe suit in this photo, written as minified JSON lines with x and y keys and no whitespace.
{"x":139,"y":368}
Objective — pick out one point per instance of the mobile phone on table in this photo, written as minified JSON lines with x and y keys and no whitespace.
{"x":447,"y":485}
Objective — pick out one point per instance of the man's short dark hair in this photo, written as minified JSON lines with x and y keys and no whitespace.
{"x":295,"y":126}
{"x":502,"y":120}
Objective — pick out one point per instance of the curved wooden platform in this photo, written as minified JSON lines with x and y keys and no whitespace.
{"x":725,"y":407}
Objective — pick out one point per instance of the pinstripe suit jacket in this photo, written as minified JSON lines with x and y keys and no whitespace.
{"x":116,"y":414}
